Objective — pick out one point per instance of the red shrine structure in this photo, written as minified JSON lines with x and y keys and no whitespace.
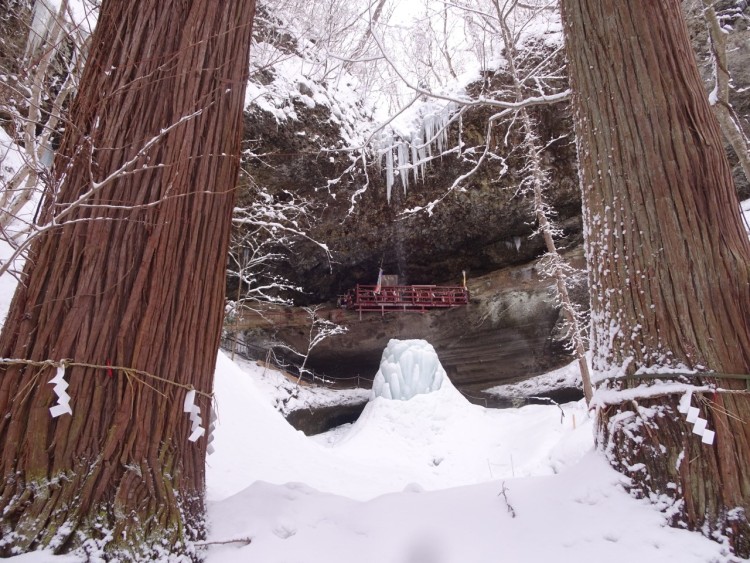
{"x":386,"y":298}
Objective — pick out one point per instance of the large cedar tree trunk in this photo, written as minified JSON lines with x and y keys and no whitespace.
{"x":136,"y":284}
{"x":669,"y":259}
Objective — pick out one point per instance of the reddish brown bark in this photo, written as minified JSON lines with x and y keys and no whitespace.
{"x":669,"y":259}
{"x":133,"y":286}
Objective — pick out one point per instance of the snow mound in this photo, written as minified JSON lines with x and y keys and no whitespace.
{"x":408,"y":368}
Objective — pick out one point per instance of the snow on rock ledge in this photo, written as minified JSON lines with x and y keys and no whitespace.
{"x":408,"y":368}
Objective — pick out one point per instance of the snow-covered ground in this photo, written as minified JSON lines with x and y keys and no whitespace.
{"x":430,"y":480}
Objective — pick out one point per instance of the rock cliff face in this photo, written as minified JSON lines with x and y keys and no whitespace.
{"x":482,"y":228}
{"x":735,"y":16}
{"x":511,"y":328}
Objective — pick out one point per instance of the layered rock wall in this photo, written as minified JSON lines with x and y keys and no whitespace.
{"x":511,"y":329}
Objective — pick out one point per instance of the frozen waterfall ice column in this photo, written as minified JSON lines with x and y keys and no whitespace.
{"x":408,"y":368}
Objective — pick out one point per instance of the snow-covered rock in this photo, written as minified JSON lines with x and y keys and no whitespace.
{"x":408,"y":368}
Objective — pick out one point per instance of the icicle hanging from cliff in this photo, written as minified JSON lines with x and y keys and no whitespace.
{"x":388,"y":171}
{"x":428,"y":126}
{"x":435,"y":126}
{"x":415,"y":156}
{"x":404,"y":155}
{"x":395,"y":164}
{"x":403,"y":163}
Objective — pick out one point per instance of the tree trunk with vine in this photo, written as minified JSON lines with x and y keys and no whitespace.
{"x":669,"y":259}
{"x":133,"y":277}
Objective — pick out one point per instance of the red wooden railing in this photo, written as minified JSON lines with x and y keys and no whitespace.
{"x":404,"y":298}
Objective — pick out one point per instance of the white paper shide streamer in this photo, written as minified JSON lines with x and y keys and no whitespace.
{"x":211,"y":429}
{"x":63,"y":399}
{"x":693,"y":417}
{"x":196,"y":430}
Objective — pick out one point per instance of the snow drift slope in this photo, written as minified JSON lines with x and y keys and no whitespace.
{"x":437,"y":440}
{"x":581,"y":515}
{"x":398,"y":449}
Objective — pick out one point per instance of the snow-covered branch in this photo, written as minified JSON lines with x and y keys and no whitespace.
{"x":320,"y":330}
